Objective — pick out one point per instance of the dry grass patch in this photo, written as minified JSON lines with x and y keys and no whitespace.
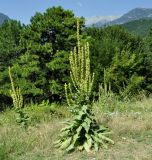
{"x":132,"y":133}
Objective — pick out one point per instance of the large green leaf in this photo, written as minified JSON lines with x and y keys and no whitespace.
{"x":80,"y":148}
{"x":75,"y":137}
{"x":85,"y":126}
{"x":100,"y":141}
{"x":96,"y":146}
{"x":78,"y":129}
{"x":70,"y":148}
{"x":66,"y":143}
{"x":87,"y":146}
{"x":88,"y":120}
{"x":84,"y":108}
{"x":106,"y":139}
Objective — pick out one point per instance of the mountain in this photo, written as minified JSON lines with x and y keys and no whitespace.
{"x":135,"y":14}
{"x":102,"y":20}
{"x":3,"y":18}
{"x":140,"y":27}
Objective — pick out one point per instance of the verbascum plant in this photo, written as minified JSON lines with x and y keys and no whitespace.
{"x":21,"y":117}
{"x":81,"y":77}
{"x":83,"y":132}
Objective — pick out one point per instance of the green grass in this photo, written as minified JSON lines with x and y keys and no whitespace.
{"x":132,"y":133}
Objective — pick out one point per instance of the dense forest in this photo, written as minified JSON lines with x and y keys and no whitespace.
{"x":54,"y":63}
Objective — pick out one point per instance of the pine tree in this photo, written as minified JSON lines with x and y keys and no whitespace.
{"x":46,"y":42}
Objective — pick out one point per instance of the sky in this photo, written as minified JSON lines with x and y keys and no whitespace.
{"x":22,"y":10}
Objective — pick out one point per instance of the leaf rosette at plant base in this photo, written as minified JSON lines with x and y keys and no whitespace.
{"x":83,"y":133}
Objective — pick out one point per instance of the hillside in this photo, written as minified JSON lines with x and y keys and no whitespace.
{"x":99,"y":20}
{"x":140,"y":27}
{"x":3,"y":18}
{"x":134,"y":14}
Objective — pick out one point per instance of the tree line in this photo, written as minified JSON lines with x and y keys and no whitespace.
{"x":38,"y":54}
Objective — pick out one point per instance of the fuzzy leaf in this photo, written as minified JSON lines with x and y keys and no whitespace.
{"x":57,"y":142}
{"x":96,"y":146}
{"x":68,"y":127}
{"x":102,"y":128}
{"x":79,"y":117}
{"x":100,"y":141}
{"x":84,"y":108}
{"x":66,"y":143}
{"x":88,"y":120}
{"x":71,"y":147}
{"x":85,"y":126}
{"x":75,"y":137}
{"x":89,"y":141}
{"x":86,"y":147}
{"x":106,"y":139}
{"x":79,"y":129}
{"x":105,"y":133}
{"x":64,"y":133}
{"x":80,"y":148}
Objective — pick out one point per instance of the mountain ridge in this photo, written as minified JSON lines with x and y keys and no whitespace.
{"x":89,"y":21}
{"x":3,"y":18}
{"x":134,"y":14}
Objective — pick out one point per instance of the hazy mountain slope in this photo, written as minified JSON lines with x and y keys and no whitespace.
{"x":135,"y":14}
{"x":102,"y":20}
{"x":3,"y":18}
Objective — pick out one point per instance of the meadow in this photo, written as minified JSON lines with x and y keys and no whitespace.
{"x":131,"y":127}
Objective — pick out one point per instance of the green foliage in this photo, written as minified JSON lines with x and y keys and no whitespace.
{"x":9,"y":51}
{"x":140,"y":27}
{"x":110,"y":102}
{"x":3,"y":154}
{"x":147,"y":64}
{"x":21,"y":117}
{"x":107,"y":100}
{"x":9,"y":42}
{"x":113,"y":44}
{"x":122,"y":74}
{"x":46,"y":44}
{"x":26,"y":72}
{"x":83,"y":133}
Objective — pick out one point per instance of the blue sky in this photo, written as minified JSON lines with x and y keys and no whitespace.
{"x":23,"y":9}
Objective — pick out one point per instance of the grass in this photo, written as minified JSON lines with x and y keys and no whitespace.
{"x":132,"y":133}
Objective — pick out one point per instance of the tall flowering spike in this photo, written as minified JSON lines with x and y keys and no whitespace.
{"x":15,"y":93}
{"x":81,"y":77}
